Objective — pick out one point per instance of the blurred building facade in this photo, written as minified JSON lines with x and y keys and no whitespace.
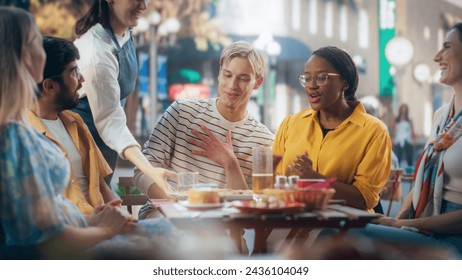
{"x":190,"y":54}
{"x":425,"y":23}
{"x":354,"y":26}
{"x":350,"y":25}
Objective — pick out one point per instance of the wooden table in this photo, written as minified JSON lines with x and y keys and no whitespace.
{"x":334,"y":216}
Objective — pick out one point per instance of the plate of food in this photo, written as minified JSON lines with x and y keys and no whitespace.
{"x":269,"y":207}
{"x":230,"y":195}
{"x":201,"y":199}
{"x":179,"y":196}
{"x":202,"y":206}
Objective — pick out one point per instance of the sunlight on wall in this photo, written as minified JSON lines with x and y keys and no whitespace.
{"x":343,"y":23}
{"x":295,"y":14}
{"x":245,"y":17}
{"x":313,"y":16}
{"x":329,"y":19}
{"x":363,"y":28}
{"x":281,"y":101}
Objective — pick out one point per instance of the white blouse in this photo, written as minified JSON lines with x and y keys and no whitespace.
{"x":403,"y":133}
{"x":100,"y":69}
{"x":452,"y":176}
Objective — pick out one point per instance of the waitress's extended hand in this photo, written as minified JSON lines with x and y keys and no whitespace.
{"x":160,"y":176}
{"x":157,"y":174}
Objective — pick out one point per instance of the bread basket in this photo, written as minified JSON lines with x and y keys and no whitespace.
{"x":315,"y":196}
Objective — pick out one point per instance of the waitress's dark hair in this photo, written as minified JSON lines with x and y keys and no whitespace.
{"x":98,"y":13}
{"x":342,"y":62}
{"x":458,"y":27}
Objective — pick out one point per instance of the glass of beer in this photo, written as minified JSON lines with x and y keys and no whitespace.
{"x":262,"y":168}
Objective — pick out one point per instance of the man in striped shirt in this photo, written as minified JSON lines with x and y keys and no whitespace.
{"x":212,"y":136}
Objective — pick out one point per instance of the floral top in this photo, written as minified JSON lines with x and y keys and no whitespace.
{"x":33,"y":174}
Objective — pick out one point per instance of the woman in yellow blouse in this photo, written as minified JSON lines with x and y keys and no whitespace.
{"x":335,"y":137}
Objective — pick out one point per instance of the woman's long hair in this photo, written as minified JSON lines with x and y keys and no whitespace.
{"x":17,"y":85}
{"x":406,"y":114}
{"x":98,"y":13}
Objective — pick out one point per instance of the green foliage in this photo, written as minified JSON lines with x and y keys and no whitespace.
{"x":57,"y":18}
{"x":121,"y":190}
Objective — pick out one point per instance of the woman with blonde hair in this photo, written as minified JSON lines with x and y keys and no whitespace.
{"x":36,"y":220}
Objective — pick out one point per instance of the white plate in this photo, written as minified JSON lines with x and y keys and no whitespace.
{"x":231,"y":197}
{"x":224,"y":196}
{"x":202,"y":206}
{"x":179,"y":196}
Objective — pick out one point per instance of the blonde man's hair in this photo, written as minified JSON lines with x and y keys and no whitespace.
{"x":17,"y":86}
{"x":256,"y":57}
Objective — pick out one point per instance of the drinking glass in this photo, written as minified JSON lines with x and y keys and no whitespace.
{"x":186,"y":180}
{"x":262,"y":168}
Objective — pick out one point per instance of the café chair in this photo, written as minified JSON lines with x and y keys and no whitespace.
{"x":393,"y":190}
{"x":129,"y":199}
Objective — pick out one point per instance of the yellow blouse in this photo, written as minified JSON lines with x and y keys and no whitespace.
{"x":357,"y":152}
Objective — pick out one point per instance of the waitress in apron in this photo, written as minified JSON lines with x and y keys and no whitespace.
{"x":108,"y":63}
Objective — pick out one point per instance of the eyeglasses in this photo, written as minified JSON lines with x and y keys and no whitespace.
{"x":74,"y":72}
{"x":320,"y":79}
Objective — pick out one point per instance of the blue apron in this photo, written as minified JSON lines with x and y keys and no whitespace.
{"x":128,"y":73}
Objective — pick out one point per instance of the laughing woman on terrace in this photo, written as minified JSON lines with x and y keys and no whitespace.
{"x":432,"y":213}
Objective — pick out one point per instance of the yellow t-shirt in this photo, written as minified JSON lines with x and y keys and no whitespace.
{"x":357,"y":152}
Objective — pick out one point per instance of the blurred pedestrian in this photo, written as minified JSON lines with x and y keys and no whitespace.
{"x":403,"y":136}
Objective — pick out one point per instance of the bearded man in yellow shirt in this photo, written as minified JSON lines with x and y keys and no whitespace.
{"x":52,"y":117}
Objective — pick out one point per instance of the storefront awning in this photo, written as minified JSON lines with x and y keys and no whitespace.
{"x":291,"y":48}
{"x":185,"y":50}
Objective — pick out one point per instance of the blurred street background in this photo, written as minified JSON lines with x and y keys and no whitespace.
{"x":393,"y":43}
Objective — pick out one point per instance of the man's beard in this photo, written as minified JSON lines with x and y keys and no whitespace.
{"x":65,"y":101}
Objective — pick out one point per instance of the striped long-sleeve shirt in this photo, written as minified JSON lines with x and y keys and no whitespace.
{"x":168,"y":145}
